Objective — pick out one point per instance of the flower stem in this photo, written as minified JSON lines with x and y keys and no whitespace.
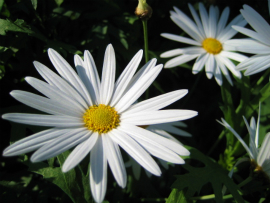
{"x":266,"y":74}
{"x":212,"y":196}
{"x":145,"y":33}
{"x":247,"y":180}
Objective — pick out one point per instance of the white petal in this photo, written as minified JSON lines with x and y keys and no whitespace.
{"x":108,"y":76}
{"x":229,"y":64}
{"x":210,"y":65}
{"x":137,"y":89}
{"x":212,"y":22}
{"x":248,"y":62}
{"x":199,"y":63}
{"x":58,"y":82}
{"x":224,"y":36}
{"x":218,"y":75}
{"x":223,"y":20}
{"x":225,"y":124}
{"x":197,"y":20}
{"x":33,"y":142}
{"x":180,"y":39}
{"x":61,"y":144}
{"x":204,"y":18}
{"x":43,"y":104}
{"x":148,"y":136}
{"x":171,"y":53}
{"x":180,"y":60}
{"x":155,"y":117}
{"x":44,"y":120}
{"x":258,"y":67}
{"x":234,"y":56}
{"x":98,"y":172}
{"x":115,"y":160}
{"x":256,"y":21}
{"x":162,"y":133}
{"x":92,"y":73}
{"x":67,"y":72}
{"x":156,"y":103}
{"x":78,"y":154}
{"x":264,"y":152}
{"x":224,"y":70}
{"x":125,"y":77}
{"x":55,"y":94}
{"x":135,"y":151}
{"x":252,"y":145}
{"x":171,"y":129}
{"x":193,"y":50}
{"x":252,"y":34}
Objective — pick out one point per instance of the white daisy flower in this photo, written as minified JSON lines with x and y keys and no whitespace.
{"x":98,"y":116}
{"x":260,"y":157}
{"x":209,"y":35}
{"x":258,"y":44}
{"x":162,"y":130}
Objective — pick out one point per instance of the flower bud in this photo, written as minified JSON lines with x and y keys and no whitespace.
{"x":143,"y":10}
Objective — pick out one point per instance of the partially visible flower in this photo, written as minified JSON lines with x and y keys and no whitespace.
{"x":162,"y":130}
{"x":260,"y":157}
{"x":258,"y":44}
{"x":143,"y":10}
{"x":209,"y":35}
{"x":98,"y":116}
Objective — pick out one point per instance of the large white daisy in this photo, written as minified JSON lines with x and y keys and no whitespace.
{"x":98,"y":116}
{"x":260,"y":157}
{"x":209,"y":35}
{"x":258,"y":44}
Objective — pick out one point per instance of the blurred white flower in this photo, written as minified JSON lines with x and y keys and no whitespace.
{"x":209,"y":35}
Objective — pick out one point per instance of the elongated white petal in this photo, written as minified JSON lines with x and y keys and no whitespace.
{"x":56,"y":81}
{"x":78,"y":154}
{"x":55,"y":94}
{"x":231,"y":32}
{"x":225,"y":124}
{"x":264,"y":153}
{"x":199,"y":63}
{"x":256,"y":21}
{"x":108,"y":76}
{"x":212,"y":22}
{"x":210,"y":65}
{"x":156,"y":149}
{"x":218,"y":76}
{"x":135,"y":151}
{"x":223,"y":20}
{"x":155,"y":117}
{"x":92,"y":73}
{"x":137,"y":89}
{"x":44,"y":120}
{"x":252,"y":145}
{"x":197,"y":20}
{"x":61,"y":144}
{"x":180,"y":39}
{"x":98,"y":171}
{"x":148,"y":136}
{"x":229,"y":64}
{"x":180,"y":60}
{"x":224,"y":70}
{"x":258,"y":66}
{"x":194,"y":50}
{"x":125,"y":78}
{"x":162,"y":133}
{"x":204,"y":18}
{"x":234,"y":56}
{"x":115,"y":160}
{"x":171,"y":129}
{"x":171,"y":53}
{"x":248,"y":62}
{"x":67,"y":72}
{"x":43,"y":104}
{"x":33,"y":142}
{"x":156,"y":103}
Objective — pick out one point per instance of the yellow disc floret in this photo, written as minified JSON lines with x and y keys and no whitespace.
{"x":212,"y":46}
{"x":101,"y":118}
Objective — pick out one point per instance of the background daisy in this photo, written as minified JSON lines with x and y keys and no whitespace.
{"x":208,"y":33}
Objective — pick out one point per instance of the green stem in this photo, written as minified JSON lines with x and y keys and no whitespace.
{"x":266,"y":74}
{"x":217,"y":142}
{"x":212,"y":196}
{"x":247,"y":180}
{"x":145,"y":34}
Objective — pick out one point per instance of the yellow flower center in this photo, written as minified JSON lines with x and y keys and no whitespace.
{"x":212,"y":46}
{"x":101,"y":118}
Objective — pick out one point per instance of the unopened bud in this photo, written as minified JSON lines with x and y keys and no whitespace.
{"x":143,"y":10}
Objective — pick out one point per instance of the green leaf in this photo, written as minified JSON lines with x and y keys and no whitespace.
{"x":177,"y":196}
{"x":211,"y":173}
{"x":59,"y":2}
{"x":34,"y":3}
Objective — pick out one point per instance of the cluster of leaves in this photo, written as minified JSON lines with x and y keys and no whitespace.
{"x":29,"y":27}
